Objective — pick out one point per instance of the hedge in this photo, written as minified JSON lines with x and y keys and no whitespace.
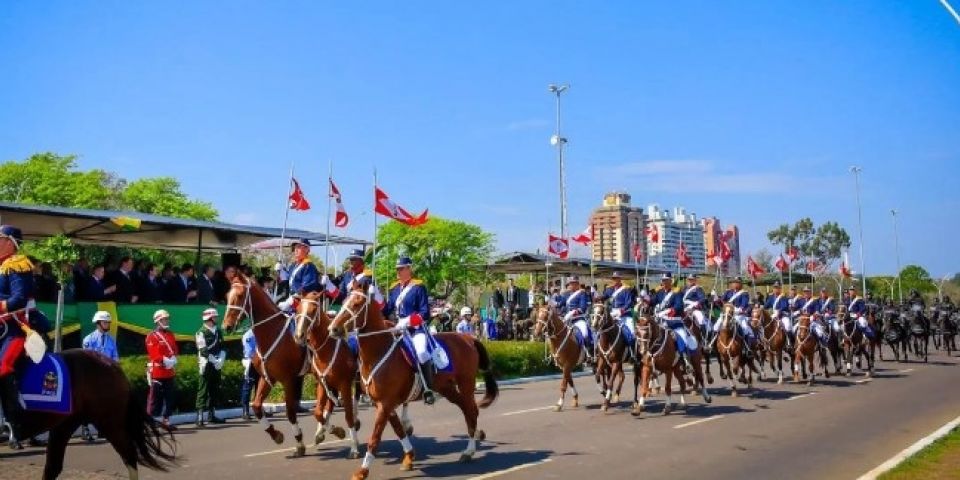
{"x":510,"y":360}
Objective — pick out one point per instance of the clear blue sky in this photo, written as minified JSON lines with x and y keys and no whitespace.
{"x":749,"y":111}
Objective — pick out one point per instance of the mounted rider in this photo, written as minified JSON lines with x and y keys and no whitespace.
{"x":669,"y":311}
{"x":621,"y":300}
{"x":737,"y":296}
{"x":810,"y":306}
{"x":858,"y":310}
{"x":574,"y":304}
{"x":305,"y":277}
{"x":409,"y":303}
{"x":828,"y":309}
{"x":778,"y":305}
{"x":357,"y":267}
{"x":694,"y":300}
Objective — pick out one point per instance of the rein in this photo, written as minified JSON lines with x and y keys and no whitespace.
{"x":568,"y":332}
{"x":354,"y":316}
{"x":246,"y":311}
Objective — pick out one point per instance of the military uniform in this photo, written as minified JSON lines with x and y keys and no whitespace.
{"x":162,"y":353}
{"x":211,"y":357}
{"x":621,"y":300}
{"x":573,"y":306}
{"x":779,"y":307}
{"x":828,"y":309}
{"x":693,"y":304}
{"x":250,"y":374}
{"x":858,"y":310}
{"x":409,"y":302}
{"x":740,"y":300}
{"x":668,"y":307}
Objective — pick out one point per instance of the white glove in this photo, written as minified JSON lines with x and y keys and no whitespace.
{"x":372,"y":290}
{"x":569,"y":315}
{"x":402,"y":323}
{"x":212,"y":359}
{"x":738,"y":310}
{"x":246,"y":363}
{"x":616,"y":313}
{"x":713,"y":293}
{"x":169,"y":362}
{"x":286,"y":304}
{"x":552,"y":302}
{"x":324,"y":280}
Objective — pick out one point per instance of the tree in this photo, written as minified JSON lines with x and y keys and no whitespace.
{"x":50,"y":179}
{"x":443,"y":252}
{"x":162,"y":196}
{"x":764,"y":258}
{"x":915,"y":277}
{"x":797,"y":235}
{"x":58,"y":250}
{"x":827,"y":244}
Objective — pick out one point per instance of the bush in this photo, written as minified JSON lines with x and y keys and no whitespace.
{"x":519,"y":359}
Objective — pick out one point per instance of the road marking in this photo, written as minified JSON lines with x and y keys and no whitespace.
{"x":518,"y":412}
{"x":801,"y":396}
{"x":865,"y":380}
{"x":696,"y":422}
{"x":908,"y":370}
{"x":288,"y":449}
{"x":510,"y":470}
{"x":912,"y":449}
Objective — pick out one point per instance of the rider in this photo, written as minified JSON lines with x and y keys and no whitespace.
{"x":408,"y":301}
{"x":828,"y":309}
{"x":357,"y":266}
{"x":16,"y":308}
{"x":305,"y":277}
{"x":693,"y":303}
{"x":574,"y":304}
{"x":621,"y":302}
{"x":669,"y":310}
{"x":779,"y":307}
{"x":740,"y":299}
{"x":916,"y":299}
{"x":858,"y":310}
{"x":810,"y":305}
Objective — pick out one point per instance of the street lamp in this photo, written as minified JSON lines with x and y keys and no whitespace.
{"x":896,"y":244}
{"x":863,"y":272}
{"x":559,"y":141}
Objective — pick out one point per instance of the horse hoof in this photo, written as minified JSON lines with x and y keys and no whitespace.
{"x":277,"y":437}
{"x":353,"y":455}
{"x":557,"y":408}
{"x":708,"y":399}
{"x":409,"y":430}
{"x":667,"y":409}
{"x":603,"y":408}
{"x":710,"y":379}
{"x":407,"y":464}
{"x":464,"y":458}
{"x":576,"y":402}
{"x":361,"y":474}
{"x":481,"y":435}
{"x":299,"y":451}
{"x":733,"y":393}
{"x":616,"y":398}
{"x":318,"y":439}
{"x":339,"y":432}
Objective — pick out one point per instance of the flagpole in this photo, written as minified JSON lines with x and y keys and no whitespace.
{"x":326,"y":252}
{"x":373,"y":258}
{"x":283,"y":231}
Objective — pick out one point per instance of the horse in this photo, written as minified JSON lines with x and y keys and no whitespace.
{"x":656,"y":350}
{"x":612,"y":350}
{"x":101,"y":395}
{"x":284,"y":361}
{"x":947,"y":329}
{"x":773,"y":339}
{"x":876,"y":343}
{"x":703,"y":340}
{"x":334,"y":366}
{"x":854,"y":342}
{"x":390,"y":380}
{"x":895,"y":333}
{"x":731,"y":347}
{"x":919,"y":332}
{"x":807,"y":349}
{"x":566,"y":352}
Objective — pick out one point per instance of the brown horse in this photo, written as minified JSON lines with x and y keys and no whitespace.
{"x":657,"y":352}
{"x":102,"y":396}
{"x":773,"y":339}
{"x":807,"y":349}
{"x":854,"y":342}
{"x":390,"y":380}
{"x":334,"y":366}
{"x":612,"y":351}
{"x":567,"y":353}
{"x":731,"y":347}
{"x":280,"y":358}
{"x":703,"y":340}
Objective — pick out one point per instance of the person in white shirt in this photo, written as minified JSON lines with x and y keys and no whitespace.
{"x":464,"y":325}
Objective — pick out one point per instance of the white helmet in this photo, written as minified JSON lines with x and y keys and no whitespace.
{"x":159,"y":314}
{"x":102,"y":316}
{"x":466,"y":311}
{"x":209,"y":314}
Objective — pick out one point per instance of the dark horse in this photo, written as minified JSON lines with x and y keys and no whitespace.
{"x":855,"y":343}
{"x":895,"y":333}
{"x":102,"y":396}
{"x":919,"y":332}
{"x":945,"y":321}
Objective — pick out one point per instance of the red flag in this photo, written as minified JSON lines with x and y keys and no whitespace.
{"x":716,"y":258}
{"x":341,"y":219}
{"x":637,"y":252}
{"x":727,"y":235}
{"x":812,"y":266}
{"x":586,"y":237}
{"x":652,"y":233}
{"x":754,"y":268}
{"x":782,"y":264}
{"x":297,"y":199}
{"x":683,"y":259}
{"x":845,"y":267}
{"x":725,"y":253}
{"x":386,"y":207}
{"x":558,"y":246}
{"x":793,"y":253}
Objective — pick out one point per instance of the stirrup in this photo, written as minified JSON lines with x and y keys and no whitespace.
{"x":428,"y":397}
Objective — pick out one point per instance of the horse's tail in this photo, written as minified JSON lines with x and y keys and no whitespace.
{"x":489,"y":381}
{"x":154,"y":449}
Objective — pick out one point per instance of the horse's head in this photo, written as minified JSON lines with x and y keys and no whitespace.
{"x":758,"y":316}
{"x":599,"y":317}
{"x":646,"y":328}
{"x":353,"y":313}
{"x":309,"y":313}
{"x":842,"y":313}
{"x":239,"y":303}
{"x":726,"y":317}
{"x":542,"y":318}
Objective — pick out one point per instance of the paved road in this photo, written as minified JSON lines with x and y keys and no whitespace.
{"x":839,"y":428}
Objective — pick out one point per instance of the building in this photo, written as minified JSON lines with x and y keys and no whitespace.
{"x":733,"y":241}
{"x":674,"y":227}
{"x":617,"y":227}
{"x":713,"y":234}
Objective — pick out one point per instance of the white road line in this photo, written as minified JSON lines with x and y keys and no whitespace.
{"x":907,"y":370}
{"x":288,"y":449}
{"x":912,"y":449}
{"x":697,"y":422}
{"x":865,"y":380}
{"x":510,"y":470}
{"x":518,"y":412}
{"x":801,"y":396}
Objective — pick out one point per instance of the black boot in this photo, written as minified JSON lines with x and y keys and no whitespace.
{"x":213,"y":418}
{"x":12,"y":410}
{"x":199,"y":421}
{"x":428,"y":396}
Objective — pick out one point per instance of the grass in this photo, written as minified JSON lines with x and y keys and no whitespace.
{"x":939,"y":461}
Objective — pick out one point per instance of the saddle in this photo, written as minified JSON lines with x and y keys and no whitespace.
{"x":439,"y":353}
{"x":45,"y":386}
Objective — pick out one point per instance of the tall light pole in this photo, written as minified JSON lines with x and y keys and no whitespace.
{"x":896,"y":246}
{"x":863,"y":272}
{"x":559,"y":141}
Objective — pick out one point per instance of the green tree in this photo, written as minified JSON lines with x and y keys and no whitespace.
{"x":50,"y":179}
{"x":58,"y":250}
{"x":827,"y":244}
{"x":915,"y":277}
{"x":443,"y":252}
{"x":163,"y":196}
{"x":798,"y":235}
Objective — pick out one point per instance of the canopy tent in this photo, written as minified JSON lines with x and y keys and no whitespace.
{"x":522,"y":262}
{"x":133,"y":229}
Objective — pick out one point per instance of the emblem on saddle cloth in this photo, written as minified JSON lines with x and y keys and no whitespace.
{"x":437,"y":350}
{"x":45,"y":386}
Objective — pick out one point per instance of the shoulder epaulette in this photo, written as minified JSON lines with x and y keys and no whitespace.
{"x":16,"y":264}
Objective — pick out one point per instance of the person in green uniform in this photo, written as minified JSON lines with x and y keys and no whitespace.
{"x":212,"y":355}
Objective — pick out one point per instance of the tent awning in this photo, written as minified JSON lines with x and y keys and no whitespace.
{"x":133,"y":229}
{"x":522,"y":262}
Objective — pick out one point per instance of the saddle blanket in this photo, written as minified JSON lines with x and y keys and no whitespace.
{"x":354,"y":345}
{"x":45,"y":386}
{"x":627,"y":334}
{"x":438,"y":352}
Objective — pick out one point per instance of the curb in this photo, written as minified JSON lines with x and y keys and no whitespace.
{"x":911,"y":450}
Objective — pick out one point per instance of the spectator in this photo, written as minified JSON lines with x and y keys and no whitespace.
{"x":220,"y":285}
{"x":205,"y":286}
{"x":166,"y":275}
{"x":81,"y":276}
{"x":465,"y":326}
{"x":512,"y":297}
{"x":182,"y":288}
{"x":123,"y":281}
{"x":250,"y":373}
{"x":96,"y":290}
{"x":148,"y":285}
{"x":498,"y":300}
{"x":229,"y":273}
{"x":162,"y":353}
{"x":267,"y":283}
{"x":101,"y":342}
{"x":211,"y":357}
{"x":46,"y":283}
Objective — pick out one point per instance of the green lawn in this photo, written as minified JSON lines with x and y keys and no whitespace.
{"x":939,"y":461}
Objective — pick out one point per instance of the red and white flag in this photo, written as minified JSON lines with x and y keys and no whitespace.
{"x":386,"y":207}
{"x":845,"y":267}
{"x":754,"y":268}
{"x":782,"y":264}
{"x":652,"y":233}
{"x":793,"y":253}
{"x":298,"y":201}
{"x":637,"y":252}
{"x":683,"y":259}
{"x":341,"y":219}
{"x":812,"y":266}
{"x":585,"y":238}
{"x":558,"y":246}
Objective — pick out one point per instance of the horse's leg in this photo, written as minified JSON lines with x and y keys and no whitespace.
{"x":291,"y":399}
{"x":468,"y":406}
{"x":667,"y":389}
{"x":263,"y":389}
{"x":621,"y":376}
{"x":576,"y":396}
{"x":60,"y":436}
{"x":638,"y":374}
{"x":678,"y":372}
{"x":350,"y":414}
{"x":379,"y":423}
{"x":322,"y":413}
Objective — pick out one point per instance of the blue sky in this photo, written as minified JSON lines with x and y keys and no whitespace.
{"x":748,"y":111}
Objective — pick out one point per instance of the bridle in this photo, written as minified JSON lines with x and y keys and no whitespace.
{"x":246,"y":312}
{"x":309,"y":319}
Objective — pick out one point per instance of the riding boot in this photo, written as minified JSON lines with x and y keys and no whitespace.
{"x":428,"y":396}
{"x":13,"y":411}
{"x":199,"y":421}
{"x":213,"y":418}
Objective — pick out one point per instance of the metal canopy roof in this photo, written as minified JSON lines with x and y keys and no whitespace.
{"x":522,"y":262}
{"x":99,"y":227}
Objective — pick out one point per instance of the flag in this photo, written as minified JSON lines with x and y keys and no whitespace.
{"x":386,"y":207}
{"x":793,"y":253}
{"x":558,"y":246}
{"x":845,"y":267}
{"x":298,"y":201}
{"x":727,"y":235}
{"x":716,"y":258}
{"x":725,"y":254}
{"x":683,"y":259}
{"x":586,"y":237}
{"x":754,"y":268}
{"x":127,"y":224}
{"x":782,"y":264}
{"x":652,"y":233}
{"x":637,"y":252}
{"x":341,"y":219}
{"x":812,"y":266}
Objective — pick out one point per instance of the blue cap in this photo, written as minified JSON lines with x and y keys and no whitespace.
{"x":11,"y":232}
{"x":666,"y":276}
{"x":404,"y":262}
{"x":573,"y":279}
{"x":355,"y":254}
{"x":736,"y":280}
{"x":692,"y":276}
{"x":616,"y":275}
{"x":777,"y":283}
{"x":301,"y":241}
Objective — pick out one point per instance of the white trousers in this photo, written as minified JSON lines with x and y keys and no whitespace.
{"x":419,"y":339}
{"x":744,"y":323}
{"x":862,"y":321}
{"x":701,"y":320}
{"x":787,"y":323}
{"x":581,"y":325}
